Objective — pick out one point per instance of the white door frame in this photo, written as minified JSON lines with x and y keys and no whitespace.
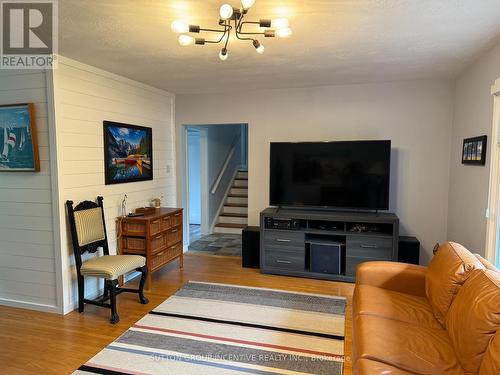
{"x":493,"y":212}
{"x":203,"y":178}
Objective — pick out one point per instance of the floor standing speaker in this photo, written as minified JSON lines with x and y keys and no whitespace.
{"x":409,"y":250}
{"x":250,"y":247}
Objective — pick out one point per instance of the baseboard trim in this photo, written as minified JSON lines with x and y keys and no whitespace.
{"x":29,"y":305}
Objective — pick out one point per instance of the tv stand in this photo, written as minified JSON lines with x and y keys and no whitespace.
{"x":294,"y":242}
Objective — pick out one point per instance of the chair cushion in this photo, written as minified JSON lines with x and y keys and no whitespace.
{"x":369,"y":367}
{"x":111,"y":266}
{"x":474,"y":318}
{"x":370,"y":300}
{"x":491,"y":359}
{"x":89,"y":226}
{"x":447,"y":271}
{"x":412,"y":348}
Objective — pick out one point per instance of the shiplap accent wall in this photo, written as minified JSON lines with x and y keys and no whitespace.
{"x":84,"y":98}
{"x":27,"y":252}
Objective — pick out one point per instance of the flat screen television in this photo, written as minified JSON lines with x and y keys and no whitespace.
{"x":346,"y":174}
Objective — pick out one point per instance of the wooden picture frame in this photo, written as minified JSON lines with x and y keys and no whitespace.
{"x":474,"y":150}
{"x":18,"y":138}
{"x":128,"y":153}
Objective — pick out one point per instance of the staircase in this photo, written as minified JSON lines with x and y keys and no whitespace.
{"x":234,"y":215}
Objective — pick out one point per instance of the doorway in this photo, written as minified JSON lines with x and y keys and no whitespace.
{"x":216,"y":187}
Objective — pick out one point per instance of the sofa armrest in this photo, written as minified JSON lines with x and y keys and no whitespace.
{"x":398,"y":277}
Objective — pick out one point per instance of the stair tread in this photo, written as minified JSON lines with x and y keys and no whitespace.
{"x":229,"y":214}
{"x":238,"y":195}
{"x":235,"y":205}
{"x":230,"y":225}
{"x":241,"y":179}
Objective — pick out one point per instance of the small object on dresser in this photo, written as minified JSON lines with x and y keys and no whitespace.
{"x":145,"y":210}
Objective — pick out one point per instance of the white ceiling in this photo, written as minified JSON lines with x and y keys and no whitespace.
{"x":334,"y":41}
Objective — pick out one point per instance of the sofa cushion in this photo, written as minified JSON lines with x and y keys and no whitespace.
{"x":409,"y":347}
{"x":370,"y":300}
{"x":369,"y":367}
{"x":447,"y":271}
{"x":486,"y":263}
{"x":491,"y":359}
{"x":474,"y":318}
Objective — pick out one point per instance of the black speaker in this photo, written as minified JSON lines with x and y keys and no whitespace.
{"x":326,"y":257}
{"x":250,"y":247}
{"x":409,"y":250}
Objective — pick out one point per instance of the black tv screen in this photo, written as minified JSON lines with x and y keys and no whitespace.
{"x":347,"y":174}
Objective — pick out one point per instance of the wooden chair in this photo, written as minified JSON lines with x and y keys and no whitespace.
{"x":88,"y":233}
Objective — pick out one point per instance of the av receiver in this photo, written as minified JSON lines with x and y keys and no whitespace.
{"x":287,"y":224}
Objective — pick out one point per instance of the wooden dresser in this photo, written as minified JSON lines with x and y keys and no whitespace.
{"x":156,"y":235}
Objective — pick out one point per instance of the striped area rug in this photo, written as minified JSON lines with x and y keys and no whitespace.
{"x":210,"y":329}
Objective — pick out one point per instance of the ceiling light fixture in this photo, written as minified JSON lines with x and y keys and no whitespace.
{"x":232,"y":18}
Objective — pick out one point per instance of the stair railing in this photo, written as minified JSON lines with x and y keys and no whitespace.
{"x":229,"y":156}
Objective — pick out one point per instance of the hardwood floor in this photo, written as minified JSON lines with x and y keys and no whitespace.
{"x":40,"y":343}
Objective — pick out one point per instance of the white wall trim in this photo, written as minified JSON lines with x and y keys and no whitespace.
{"x":493,"y":210}
{"x":495,"y":89}
{"x":30,"y":305}
{"x":54,"y":169}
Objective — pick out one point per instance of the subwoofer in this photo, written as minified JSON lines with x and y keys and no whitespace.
{"x":326,"y":257}
{"x":250,"y":247}
{"x":409,"y":250}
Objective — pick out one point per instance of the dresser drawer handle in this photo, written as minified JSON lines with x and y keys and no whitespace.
{"x":369,"y":246}
{"x":283,"y":240}
{"x":283,"y":261}
{"x":174,"y":230}
{"x":155,"y":222}
{"x":157,"y":238}
{"x":177,"y":215}
{"x":160,"y":254}
{"x":173,"y":247}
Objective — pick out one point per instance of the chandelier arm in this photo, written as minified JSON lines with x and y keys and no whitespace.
{"x":238,"y":24}
{"x":228,"y":31}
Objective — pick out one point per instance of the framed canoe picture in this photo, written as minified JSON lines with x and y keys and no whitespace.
{"x":18,"y":139}
{"x":128,"y":153}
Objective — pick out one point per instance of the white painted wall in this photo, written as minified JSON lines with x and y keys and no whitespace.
{"x":473,"y":116}
{"x":416,"y":116}
{"x":84,"y":98}
{"x":27,"y":256}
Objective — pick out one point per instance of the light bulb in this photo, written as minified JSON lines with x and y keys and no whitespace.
{"x":179,"y":27}
{"x":280,"y":23}
{"x":186,"y":40}
{"x":284,"y":33}
{"x":258,"y":46}
{"x":226,"y":11}
{"x":223,"y":55}
{"x":247,"y":3}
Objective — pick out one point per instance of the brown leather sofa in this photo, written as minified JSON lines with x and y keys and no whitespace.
{"x":440,"y":319}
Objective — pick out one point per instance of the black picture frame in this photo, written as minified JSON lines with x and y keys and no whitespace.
{"x":474,"y":150}
{"x":132,"y":162}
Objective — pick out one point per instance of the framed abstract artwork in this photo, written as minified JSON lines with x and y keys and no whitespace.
{"x":18,"y":139}
{"x":128,"y":153}
{"x":474,"y":150}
